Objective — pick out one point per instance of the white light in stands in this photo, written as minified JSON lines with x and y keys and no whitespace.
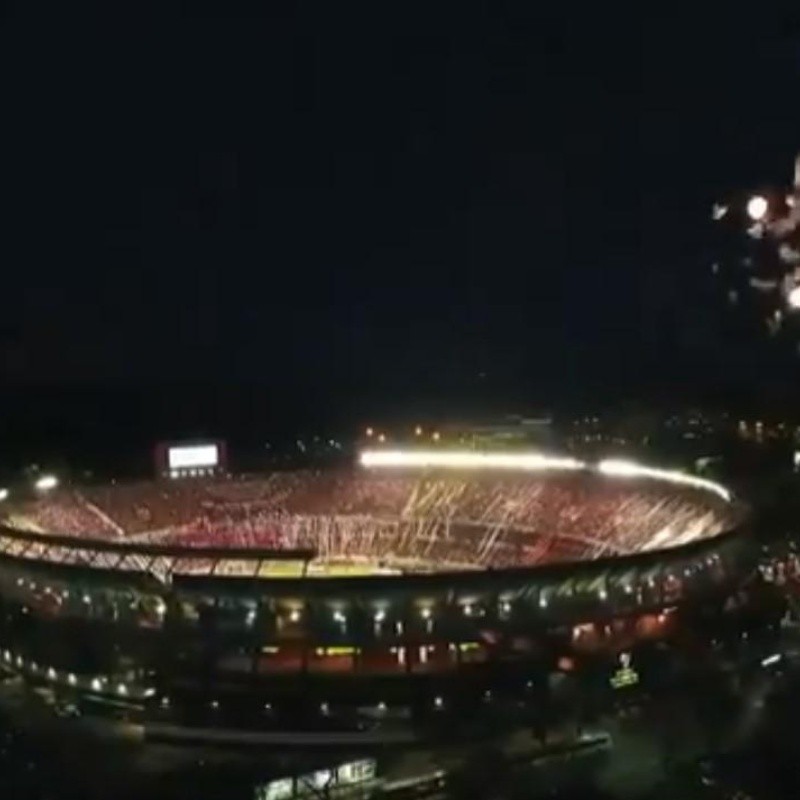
{"x":757,"y":207}
{"x":3,"y":495}
{"x":46,"y":482}
{"x":461,"y":459}
{"x":629,"y":469}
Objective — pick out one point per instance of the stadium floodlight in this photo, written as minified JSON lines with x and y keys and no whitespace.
{"x":46,"y":482}
{"x":467,"y":459}
{"x":757,"y":207}
{"x":629,"y":469}
{"x":793,"y":297}
{"x":3,"y":495}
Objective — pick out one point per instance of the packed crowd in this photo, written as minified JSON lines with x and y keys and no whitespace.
{"x":486,"y":520}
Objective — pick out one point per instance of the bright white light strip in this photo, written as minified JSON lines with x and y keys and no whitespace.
{"x":203,"y":455}
{"x":46,"y":482}
{"x":458,"y":459}
{"x":629,"y":469}
{"x":770,"y":660}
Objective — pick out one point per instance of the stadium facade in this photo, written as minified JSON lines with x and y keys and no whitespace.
{"x":262,"y":645}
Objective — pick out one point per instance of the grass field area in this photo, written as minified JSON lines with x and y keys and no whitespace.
{"x":294,"y":569}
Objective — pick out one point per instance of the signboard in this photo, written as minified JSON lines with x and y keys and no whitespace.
{"x":348,"y":774}
{"x":625,"y":675}
{"x":356,"y":771}
{"x":190,"y":459}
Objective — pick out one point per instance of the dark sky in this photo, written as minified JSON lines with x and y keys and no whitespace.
{"x":490,"y":204}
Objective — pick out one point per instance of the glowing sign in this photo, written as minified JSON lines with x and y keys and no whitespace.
{"x":357,"y":771}
{"x":625,"y":676}
{"x":349,"y":774}
{"x":201,"y":455}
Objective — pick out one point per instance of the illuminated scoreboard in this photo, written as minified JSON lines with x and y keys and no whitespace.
{"x":190,"y":459}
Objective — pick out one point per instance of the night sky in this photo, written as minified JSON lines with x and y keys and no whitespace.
{"x":327,"y":216}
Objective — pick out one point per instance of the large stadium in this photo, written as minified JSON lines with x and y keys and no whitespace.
{"x":358,"y":605}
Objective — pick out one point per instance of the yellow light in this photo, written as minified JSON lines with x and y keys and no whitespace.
{"x":382,"y":438}
{"x":436,"y":436}
{"x":370,"y":432}
{"x":460,"y":459}
{"x":418,"y":430}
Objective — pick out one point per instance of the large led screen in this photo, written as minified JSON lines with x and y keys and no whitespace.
{"x":200,"y":455}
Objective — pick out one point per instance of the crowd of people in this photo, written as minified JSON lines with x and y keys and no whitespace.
{"x":414,"y":519}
